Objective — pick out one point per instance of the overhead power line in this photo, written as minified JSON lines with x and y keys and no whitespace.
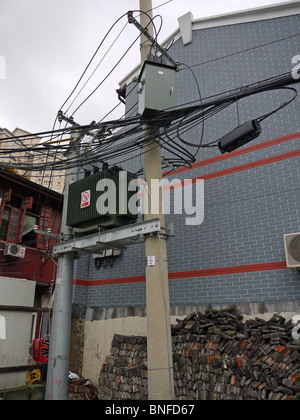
{"x":77,"y":86}
{"x":121,"y":140}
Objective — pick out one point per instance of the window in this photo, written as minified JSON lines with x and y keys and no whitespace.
{"x":6,"y":196}
{"x":13,"y":225}
{"x":13,"y":216}
{"x":4,"y":224}
{"x":45,"y":223}
{"x":17,"y":221}
{"x":19,"y":216}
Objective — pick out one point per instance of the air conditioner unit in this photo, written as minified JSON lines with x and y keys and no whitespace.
{"x":14,"y":250}
{"x":292,"y":249}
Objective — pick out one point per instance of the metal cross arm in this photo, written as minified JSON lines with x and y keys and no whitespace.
{"x":153,"y":42}
{"x":46,"y":233}
{"x":120,"y":237}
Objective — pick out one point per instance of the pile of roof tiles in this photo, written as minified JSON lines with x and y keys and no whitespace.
{"x":216,"y":356}
{"x":124,"y":374}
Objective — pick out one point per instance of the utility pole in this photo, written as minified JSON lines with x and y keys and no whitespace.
{"x":160,"y":360}
{"x":58,"y":361}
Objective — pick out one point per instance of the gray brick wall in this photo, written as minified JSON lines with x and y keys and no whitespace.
{"x":271,"y":286}
{"x":246,"y":213}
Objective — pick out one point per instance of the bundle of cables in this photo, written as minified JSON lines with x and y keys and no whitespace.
{"x":123,"y":139}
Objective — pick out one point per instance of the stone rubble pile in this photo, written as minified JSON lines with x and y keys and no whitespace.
{"x":216,"y":356}
{"x":81,"y":389}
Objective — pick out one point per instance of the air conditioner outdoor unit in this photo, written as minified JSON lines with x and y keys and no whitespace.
{"x":14,"y":250}
{"x":292,"y":249}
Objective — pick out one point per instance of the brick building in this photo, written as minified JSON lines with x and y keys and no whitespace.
{"x":252,"y":197}
{"x":25,"y":254}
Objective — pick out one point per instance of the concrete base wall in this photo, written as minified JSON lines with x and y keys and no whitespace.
{"x":26,"y":393}
{"x":98,"y":336}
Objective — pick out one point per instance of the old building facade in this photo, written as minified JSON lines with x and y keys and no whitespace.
{"x":25,"y":254}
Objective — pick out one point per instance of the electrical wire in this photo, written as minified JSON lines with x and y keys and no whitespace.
{"x":122,"y":138}
{"x":96,"y":68}
{"x":92,"y":59}
{"x":203,"y":125}
{"x":151,"y":21}
{"x":106,"y":77}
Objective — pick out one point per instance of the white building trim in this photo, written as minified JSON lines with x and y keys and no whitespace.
{"x":187,"y":25}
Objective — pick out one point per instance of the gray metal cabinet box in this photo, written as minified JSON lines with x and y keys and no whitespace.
{"x":156,"y":88}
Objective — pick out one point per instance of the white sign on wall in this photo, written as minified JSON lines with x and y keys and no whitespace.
{"x":2,"y":328}
{"x":85,"y":199}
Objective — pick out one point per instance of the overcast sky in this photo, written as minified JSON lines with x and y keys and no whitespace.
{"x":46,"y":45}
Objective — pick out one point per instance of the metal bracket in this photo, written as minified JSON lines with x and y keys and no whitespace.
{"x":169,"y":231}
{"x":45,"y":233}
{"x":115,"y":238}
{"x":145,"y":32}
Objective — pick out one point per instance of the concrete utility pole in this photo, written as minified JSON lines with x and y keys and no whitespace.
{"x":58,"y":362}
{"x":160,"y":361}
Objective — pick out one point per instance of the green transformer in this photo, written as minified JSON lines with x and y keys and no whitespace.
{"x":101,"y":201}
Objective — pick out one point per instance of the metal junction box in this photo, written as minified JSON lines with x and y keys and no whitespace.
{"x":101,"y":200}
{"x":156,"y":88}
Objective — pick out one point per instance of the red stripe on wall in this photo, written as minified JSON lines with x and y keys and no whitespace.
{"x":240,"y":168}
{"x":252,"y":268}
{"x":239,"y":152}
{"x":121,"y":280}
{"x":251,"y":165}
